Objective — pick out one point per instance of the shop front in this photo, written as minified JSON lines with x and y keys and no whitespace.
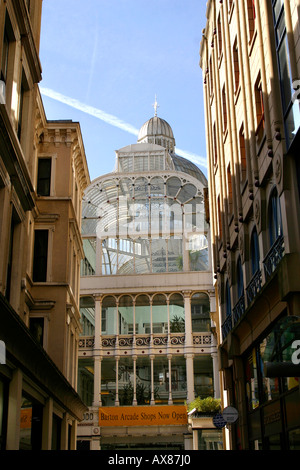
{"x":137,"y":428}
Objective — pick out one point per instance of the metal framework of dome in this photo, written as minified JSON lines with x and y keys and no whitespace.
{"x":158,"y":131}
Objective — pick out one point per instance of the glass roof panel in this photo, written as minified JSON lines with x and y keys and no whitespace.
{"x":173,"y":186}
{"x":186,"y":193}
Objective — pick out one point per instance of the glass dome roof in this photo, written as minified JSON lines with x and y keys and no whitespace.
{"x":186,"y":166}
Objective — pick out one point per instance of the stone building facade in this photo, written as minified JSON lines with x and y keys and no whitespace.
{"x":43,"y":174}
{"x":249,"y":56}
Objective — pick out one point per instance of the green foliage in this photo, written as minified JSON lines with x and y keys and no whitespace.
{"x":177,"y":325}
{"x":205,"y":405}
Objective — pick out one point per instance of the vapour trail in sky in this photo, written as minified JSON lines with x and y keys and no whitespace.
{"x":112,"y":120}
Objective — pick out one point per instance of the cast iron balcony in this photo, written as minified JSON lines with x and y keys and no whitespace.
{"x":274,"y":256}
{"x":239,"y":309}
{"x":254,"y":286}
{"x":227,"y":326}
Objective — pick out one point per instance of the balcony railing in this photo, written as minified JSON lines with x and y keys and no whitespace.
{"x":227,"y":326}
{"x":239,"y":309}
{"x":254,"y":286}
{"x":128,"y":341}
{"x":274,"y":257}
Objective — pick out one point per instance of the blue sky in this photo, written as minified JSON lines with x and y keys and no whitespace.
{"x":104,"y":61}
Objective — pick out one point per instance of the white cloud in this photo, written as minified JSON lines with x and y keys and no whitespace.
{"x":112,"y":120}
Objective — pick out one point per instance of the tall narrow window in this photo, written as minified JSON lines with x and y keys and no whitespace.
{"x":259,"y":107}
{"x":229,"y":189}
{"x":224,"y":109}
{"x":240,"y":278}
{"x":219,"y":35}
{"x":211,"y":77}
{"x":236,"y":67}
{"x":14,"y":222}
{"x":40,"y":256}
{"x":215,"y":150}
{"x":243,"y":161}
{"x":44,"y":176}
{"x":228,"y":300}
{"x":219,"y":218}
{"x":36,"y":326}
{"x":4,"y":60}
{"x":254,"y":252}
{"x":251,"y":18}
{"x":275,"y":225}
{"x":21,"y":105}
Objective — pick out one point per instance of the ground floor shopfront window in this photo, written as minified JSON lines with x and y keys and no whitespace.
{"x":210,"y":439}
{"x":272,"y":402}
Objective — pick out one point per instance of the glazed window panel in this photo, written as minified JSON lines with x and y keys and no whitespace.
{"x":142,"y":256}
{"x":125,"y":257}
{"x":139,"y":216}
{"x":200,"y":310}
{"x":125,"y":314}
{"x":176,"y":313}
{"x":252,"y":393}
{"x":161,"y":380}
{"x":87,"y":315}
{"x":88,"y":263}
{"x":86,"y":380}
{"x":125,"y":188}
{"x":141,"y":163}
{"x":109,"y":257}
{"x":159,"y":259}
{"x":270,"y":385}
{"x":275,"y":224}
{"x":187,"y":192}
{"x":157,"y":187}
{"x":142,"y":315}
{"x":203,"y":376}
{"x":198,"y":253}
{"x":30,"y":424}
{"x":109,"y":316}
{"x":44,"y":176}
{"x":125,"y":164}
{"x":254,"y":252}
{"x":108,"y":381}
{"x":143,"y":380}
{"x":251,"y":18}
{"x":173,"y":186}
{"x":40,"y":257}
{"x":157,"y":162}
{"x":240,"y":278}
{"x":178,"y":380}
{"x":126,"y":381}
{"x":159,"y":314}
{"x":160,"y":220}
{"x":175,"y":255}
{"x":194,"y":216}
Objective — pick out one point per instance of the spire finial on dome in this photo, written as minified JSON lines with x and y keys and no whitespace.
{"x":155,"y":106}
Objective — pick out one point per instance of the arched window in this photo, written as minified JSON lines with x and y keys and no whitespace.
{"x":159,"y":314}
{"x":200,"y":308}
{"x":109,"y":316}
{"x":254,"y":252}
{"x":228,"y":300}
{"x":125,"y":315}
{"x":240,"y":278}
{"x":87,"y":315}
{"x":142,"y":314}
{"x":274,"y":217}
{"x":176,"y":309}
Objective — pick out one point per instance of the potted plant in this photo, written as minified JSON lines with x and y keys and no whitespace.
{"x":205,"y":406}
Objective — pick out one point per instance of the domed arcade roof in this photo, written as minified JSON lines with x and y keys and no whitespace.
{"x":157,"y":131}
